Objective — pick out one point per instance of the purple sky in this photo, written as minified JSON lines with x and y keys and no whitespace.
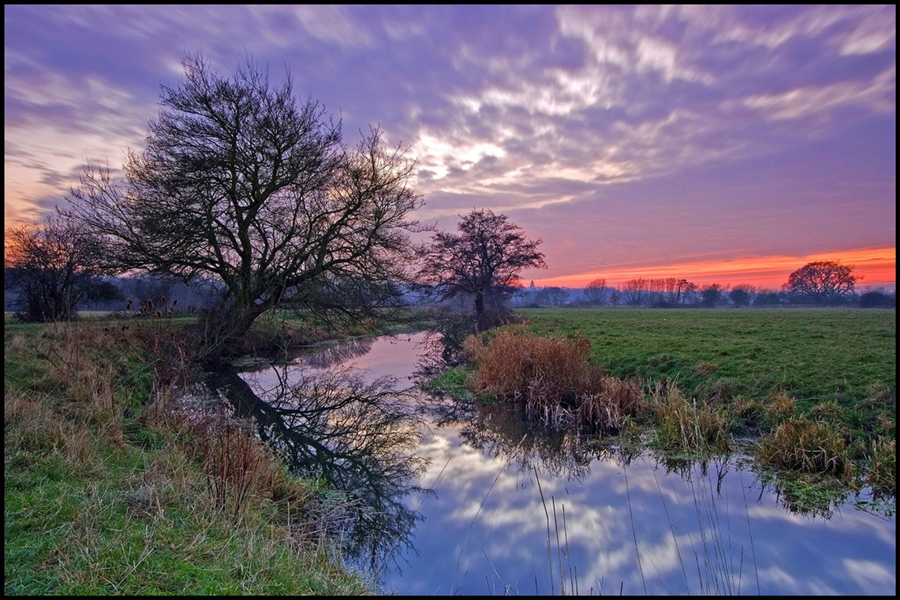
{"x":628,"y":138}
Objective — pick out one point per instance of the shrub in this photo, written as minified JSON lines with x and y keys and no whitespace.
{"x":806,"y":446}
{"x":515,"y":364}
{"x":553,"y":379}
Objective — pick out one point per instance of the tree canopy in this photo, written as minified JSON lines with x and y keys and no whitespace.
{"x":822,"y":282}
{"x":240,"y":183}
{"x":51,"y":266}
{"x":482,"y":261}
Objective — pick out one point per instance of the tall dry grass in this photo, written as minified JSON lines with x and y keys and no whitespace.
{"x":94,"y":394}
{"x":806,"y":446}
{"x":882,"y":473}
{"x":688,"y":424}
{"x":553,"y":379}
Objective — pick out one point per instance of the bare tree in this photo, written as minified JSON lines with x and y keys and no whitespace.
{"x":822,"y":282}
{"x":684,"y":291}
{"x":50,"y":265}
{"x":239,"y":183}
{"x":596,"y":291}
{"x":482,"y":261}
{"x":635,"y":292}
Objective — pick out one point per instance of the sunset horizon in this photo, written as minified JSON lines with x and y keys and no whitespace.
{"x":875,"y":267}
{"x":338,"y":299}
{"x":718,"y":144}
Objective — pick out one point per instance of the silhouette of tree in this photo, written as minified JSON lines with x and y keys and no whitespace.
{"x":635,"y":292}
{"x":51,"y":266}
{"x":239,"y":183}
{"x":596,"y":291}
{"x":741,"y":295}
{"x":822,"y":282}
{"x":483,"y":262}
{"x":877,"y":299}
{"x":711,"y":295}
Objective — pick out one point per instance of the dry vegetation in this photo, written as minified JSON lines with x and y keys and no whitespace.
{"x":553,"y":380}
{"x":114,"y":487}
{"x":558,"y":381}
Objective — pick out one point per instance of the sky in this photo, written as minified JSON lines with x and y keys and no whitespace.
{"x":720,"y":144}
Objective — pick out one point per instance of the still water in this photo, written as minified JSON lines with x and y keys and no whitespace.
{"x":512,"y":513}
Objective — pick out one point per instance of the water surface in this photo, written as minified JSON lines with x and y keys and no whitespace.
{"x":513,"y":512}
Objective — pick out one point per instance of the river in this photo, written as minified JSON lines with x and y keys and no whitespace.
{"x":510,"y":512}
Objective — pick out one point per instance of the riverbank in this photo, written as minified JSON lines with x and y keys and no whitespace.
{"x":110,"y":489}
{"x":811,"y":391}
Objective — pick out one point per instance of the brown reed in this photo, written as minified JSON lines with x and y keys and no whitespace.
{"x":806,"y":446}
{"x":553,"y":379}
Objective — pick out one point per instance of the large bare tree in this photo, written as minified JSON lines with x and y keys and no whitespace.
{"x":822,"y":282}
{"x":241,"y":183}
{"x":482,"y":261}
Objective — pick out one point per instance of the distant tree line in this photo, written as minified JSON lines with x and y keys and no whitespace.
{"x":49,"y":276}
{"x":821,"y":283}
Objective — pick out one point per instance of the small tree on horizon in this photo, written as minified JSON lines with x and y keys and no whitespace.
{"x":51,"y":266}
{"x":822,"y":282}
{"x":712,"y":295}
{"x":635,"y":292}
{"x":554,"y":296}
{"x":596,"y":291}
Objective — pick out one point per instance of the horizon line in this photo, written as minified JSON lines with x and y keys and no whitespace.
{"x":876,"y":267}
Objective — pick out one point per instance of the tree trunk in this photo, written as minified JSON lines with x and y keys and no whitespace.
{"x":479,"y":304}
{"x":224,"y":330}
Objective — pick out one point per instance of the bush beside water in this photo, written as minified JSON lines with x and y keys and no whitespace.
{"x":813,"y":389}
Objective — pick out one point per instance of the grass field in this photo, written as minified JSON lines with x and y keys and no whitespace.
{"x":809,"y":392}
{"x":812,"y":355}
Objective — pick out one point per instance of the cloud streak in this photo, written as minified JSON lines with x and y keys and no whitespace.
{"x":626,"y":137}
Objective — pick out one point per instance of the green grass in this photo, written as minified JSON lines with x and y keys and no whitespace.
{"x":813,"y":355}
{"x":102,"y":534}
{"x":810,"y":392}
{"x":108,"y":493}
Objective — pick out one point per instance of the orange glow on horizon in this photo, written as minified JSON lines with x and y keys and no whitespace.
{"x":877,"y":266}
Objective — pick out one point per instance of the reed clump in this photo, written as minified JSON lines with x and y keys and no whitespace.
{"x":781,"y":407}
{"x":882,"y":473}
{"x":688,"y":425}
{"x":553,"y":379}
{"x":807,"y":446}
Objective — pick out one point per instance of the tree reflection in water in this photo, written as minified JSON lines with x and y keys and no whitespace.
{"x":329,"y":354}
{"x":363,"y":439}
{"x":359,"y":437}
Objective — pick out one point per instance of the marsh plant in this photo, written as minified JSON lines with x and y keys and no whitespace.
{"x":558,"y":383}
{"x":806,"y":446}
{"x":553,"y":380}
{"x":686,"y":425}
{"x":883,"y":468}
